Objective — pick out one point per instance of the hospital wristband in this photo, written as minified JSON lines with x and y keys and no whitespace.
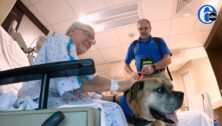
{"x":114,"y":85}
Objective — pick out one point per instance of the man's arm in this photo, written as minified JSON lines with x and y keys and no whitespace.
{"x":130,"y":71}
{"x":129,"y":57}
{"x":159,"y":65}
{"x":166,"y":60}
{"x":163,"y":63}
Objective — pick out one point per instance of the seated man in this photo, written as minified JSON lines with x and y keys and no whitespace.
{"x":73,"y":90}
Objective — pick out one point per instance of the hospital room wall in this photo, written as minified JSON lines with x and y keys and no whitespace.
{"x":103,"y":69}
{"x":113,"y":70}
{"x":178,"y":86}
{"x":203,"y":78}
{"x":6,"y":6}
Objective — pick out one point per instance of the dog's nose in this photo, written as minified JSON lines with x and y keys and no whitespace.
{"x":179,"y":94}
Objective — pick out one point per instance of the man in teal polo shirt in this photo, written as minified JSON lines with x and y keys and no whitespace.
{"x":151,"y":57}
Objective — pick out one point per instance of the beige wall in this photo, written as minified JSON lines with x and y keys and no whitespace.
{"x":203,"y":78}
{"x":103,"y":70}
{"x":114,"y":70}
{"x":178,"y":86}
{"x":5,"y":8}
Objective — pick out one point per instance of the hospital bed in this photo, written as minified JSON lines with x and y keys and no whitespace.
{"x":80,"y":116}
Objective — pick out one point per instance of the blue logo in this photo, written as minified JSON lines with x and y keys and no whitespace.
{"x":207,"y":14}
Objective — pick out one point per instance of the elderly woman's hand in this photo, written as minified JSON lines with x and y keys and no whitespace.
{"x":75,"y":95}
{"x":126,"y":85}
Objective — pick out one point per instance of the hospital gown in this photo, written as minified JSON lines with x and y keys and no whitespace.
{"x":66,"y":90}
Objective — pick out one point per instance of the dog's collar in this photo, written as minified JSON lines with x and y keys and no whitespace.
{"x":126,"y":109}
{"x":131,"y":118}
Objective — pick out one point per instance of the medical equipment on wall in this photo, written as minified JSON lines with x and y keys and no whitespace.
{"x":18,"y":37}
{"x":33,"y":49}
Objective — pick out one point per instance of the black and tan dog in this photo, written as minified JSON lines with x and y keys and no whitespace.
{"x":150,"y":100}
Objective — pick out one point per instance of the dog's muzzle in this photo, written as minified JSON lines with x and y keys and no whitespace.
{"x":168,"y":118}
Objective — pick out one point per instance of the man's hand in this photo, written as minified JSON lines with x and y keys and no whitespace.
{"x":147,"y":70}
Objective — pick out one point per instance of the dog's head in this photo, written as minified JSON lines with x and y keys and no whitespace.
{"x":153,"y":99}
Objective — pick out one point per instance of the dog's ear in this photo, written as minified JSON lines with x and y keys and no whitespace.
{"x":136,"y":88}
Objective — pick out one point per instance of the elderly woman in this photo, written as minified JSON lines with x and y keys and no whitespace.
{"x":73,"y":90}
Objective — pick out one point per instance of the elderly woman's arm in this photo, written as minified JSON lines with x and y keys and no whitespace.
{"x":99,"y":84}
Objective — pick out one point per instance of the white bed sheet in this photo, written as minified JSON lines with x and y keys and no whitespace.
{"x":193,"y":118}
{"x":11,"y":56}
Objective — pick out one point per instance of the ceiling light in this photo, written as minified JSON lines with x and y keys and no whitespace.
{"x":84,"y":20}
{"x":113,"y":17}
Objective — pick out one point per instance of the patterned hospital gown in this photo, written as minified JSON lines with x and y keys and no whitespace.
{"x":65,"y":90}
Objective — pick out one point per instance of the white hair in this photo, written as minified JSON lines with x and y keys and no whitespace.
{"x":74,"y":26}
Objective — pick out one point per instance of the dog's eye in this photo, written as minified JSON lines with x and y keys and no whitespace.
{"x":160,"y":90}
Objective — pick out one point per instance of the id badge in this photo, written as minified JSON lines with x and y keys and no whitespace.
{"x":145,"y":61}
